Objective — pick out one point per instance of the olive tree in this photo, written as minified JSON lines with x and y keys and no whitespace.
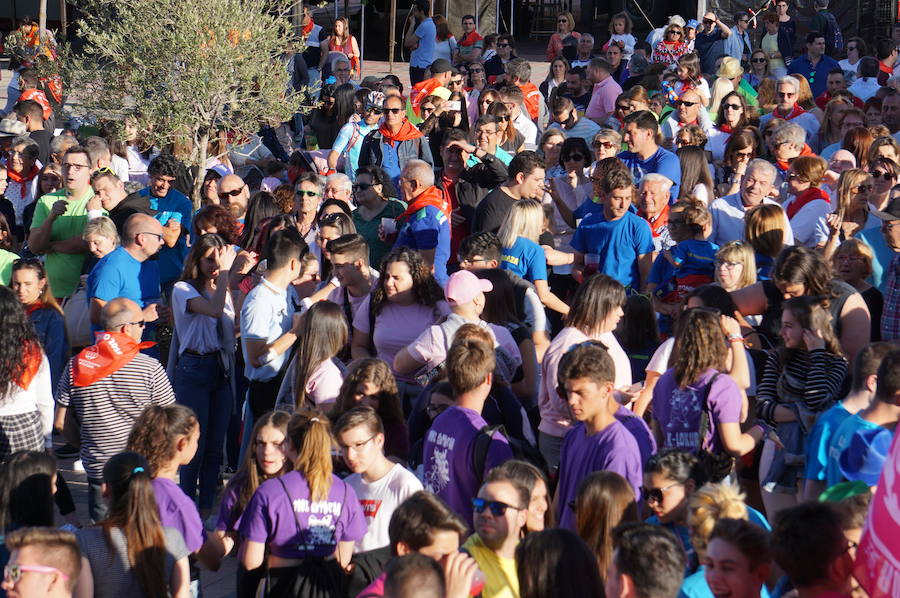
{"x":181,"y":70}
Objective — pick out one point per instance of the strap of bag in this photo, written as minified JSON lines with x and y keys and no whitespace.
{"x":704,"y":411}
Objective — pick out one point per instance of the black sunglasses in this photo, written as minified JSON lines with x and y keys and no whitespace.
{"x":232,"y":193}
{"x":571,"y":157}
{"x":498,"y":509}
{"x":758,"y":60}
{"x":374,"y":110}
{"x":876,"y":175}
{"x":394,"y":110}
{"x":502,"y":45}
{"x":362,"y":186}
{"x":686,"y":103}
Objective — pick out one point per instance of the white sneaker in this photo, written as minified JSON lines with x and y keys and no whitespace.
{"x":78,"y":466}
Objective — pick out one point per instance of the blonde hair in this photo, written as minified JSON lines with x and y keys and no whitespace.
{"x":849,"y":179}
{"x":855,"y":247}
{"x":721,"y":88}
{"x":880,"y":142}
{"x":569,"y":18}
{"x":708,"y":505}
{"x":310,"y":434}
{"x":738,"y":251}
{"x":524,"y":219}
{"x":765,"y":230}
{"x":103,"y":226}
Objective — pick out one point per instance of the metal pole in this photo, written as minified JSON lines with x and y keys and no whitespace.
{"x":62,"y":17}
{"x":42,"y":18}
{"x":362,"y":35}
{"x":393,"y":42}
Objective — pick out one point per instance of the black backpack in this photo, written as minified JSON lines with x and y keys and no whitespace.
{"x":834,"y":39}
{"x":522,"y":450}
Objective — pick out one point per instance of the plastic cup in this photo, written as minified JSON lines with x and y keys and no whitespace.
{"x":389,"y":226}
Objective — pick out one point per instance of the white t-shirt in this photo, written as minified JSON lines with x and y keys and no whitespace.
{"x":267,"y":313}
{"x":809,"y":224}
{"x":379,"y":500}
{"x":198,"y":332}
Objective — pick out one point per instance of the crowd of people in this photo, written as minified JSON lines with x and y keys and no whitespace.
{"x":627,"y":332}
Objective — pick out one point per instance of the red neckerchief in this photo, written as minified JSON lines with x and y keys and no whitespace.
{"x":682,"y":125}
{"x":726,"y":128}
{"x":112,"y":351}
{"x":30,"y":309}
{"x":307,"y":29}
{"x":811,"y":194}
{"x":885,"y":68}
{"x":659,"y":223}
{"x":23,"y":180}
{"x":407,"y":131}
{"x":32,"y":357}
{"x":795,"y":112}
{"x":432,"y":196}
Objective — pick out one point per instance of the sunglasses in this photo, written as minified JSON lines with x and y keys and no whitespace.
{"x":14,"y":572}
{"x":362,"y":186}
{"x":876,"y":175}
{"x":685,"y":103}
{"x":563,"y":21}
{"x":455,"y":81}
{"x":502,"y":45}
{"x":781,"y":94}
{"x":301,"y":193}
{"x":604,"y":145}
{"x":794,"y":176}
{"x":232,"y":193}
{"x":861,"y":188}
{"x":851,"y":48}
{"x":623,"y":107}
{"x":572,"y":157}
{"x":656,"y":494}
{"x":675,"y":31}
{"x":758,"y":60}
{"x":473,"y":71}
{"x":732,"y":107}
{"x":498,"y":509}
{"x":503,"y":119}
{"x":377,"y":111}
{"x":394,"y":110}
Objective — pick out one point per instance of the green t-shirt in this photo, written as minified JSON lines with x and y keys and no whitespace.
{"x":369,"y":230}
{"x":63,"y":269}
{"x":6,"y":260}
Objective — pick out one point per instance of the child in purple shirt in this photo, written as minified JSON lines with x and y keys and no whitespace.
{"x":598,"y":441}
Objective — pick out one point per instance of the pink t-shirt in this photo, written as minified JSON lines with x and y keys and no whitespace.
{"x":431,"y":347}
{"x":603,"y":98}
{"x":397,"y":326}
{"x":555,"y":416}
{"x":337,"y":295}
{"x":324,"y":384}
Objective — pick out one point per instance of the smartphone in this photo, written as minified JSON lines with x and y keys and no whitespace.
{"x":453,"y":106}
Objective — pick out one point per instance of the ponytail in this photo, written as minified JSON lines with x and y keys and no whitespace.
{"x":156,"y":432}
{"x":133,"y":510}
{"x":708,"y":505}
{"x":310,"y":434}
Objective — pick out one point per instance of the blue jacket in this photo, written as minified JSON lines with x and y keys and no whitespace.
{"x":51,"y":331}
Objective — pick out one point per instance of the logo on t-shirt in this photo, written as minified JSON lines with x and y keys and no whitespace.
{"x":370,"y":507}
{"x":437,"y":470}
{"x":682,"y":429}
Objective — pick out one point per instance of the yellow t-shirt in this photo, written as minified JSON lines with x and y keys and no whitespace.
{"x":501,"y":579}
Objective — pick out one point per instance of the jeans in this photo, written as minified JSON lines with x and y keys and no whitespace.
{"x":201,"y":384}
{"x":96,"y":505}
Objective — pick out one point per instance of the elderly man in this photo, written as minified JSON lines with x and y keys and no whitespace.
{"x":395,"y":142}
{"x":728,"y":212}
{"x":814,"y":65}
{"x":103,"y":403}
{"x":119,"y":205}
{"x":786,"y":107}
{"x":689,"y":110}
{"x":605,"y":92}
{"x":653,"y":206}
{"x":788,"y":142}
{"x":339,"y":186}
{"x":234,"y":194}
{"x":340,"y":68}
{"x":22,"y":190}
{"x":565,"y":117}
{"x":585,"y":51}
{"x":425,"y":225}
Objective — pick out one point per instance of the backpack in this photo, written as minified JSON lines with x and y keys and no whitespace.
{"x":834,"y":39}
{"x":521,"y":450}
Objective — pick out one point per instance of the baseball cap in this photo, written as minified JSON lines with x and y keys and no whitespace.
{"x":890,"y":212}
{"x":692,"y":24}
{"x":220,"y":169}
{"x":463,"y":286}
{"x":864,"y":457}
{"x":11,"y":127}
{"x":441,"y":65}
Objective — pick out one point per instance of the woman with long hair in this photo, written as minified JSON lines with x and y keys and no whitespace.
{"x":406,"y":301}
{"x":885,"y":174}
{"x":759,"y":68}
{"x":314,"y":378}
{"x":594,"y":313}
{"x":733,"y":115}
{"x":203,"y":359}
{"x":265,"y":459}
{"x":604,"y":500}
{"x":849,"y":119}
{"x":26,"y":395}
{"x":851,"y":214}
{"x":830,"y":129}
{"x":216,"y":220}
{"x":27,"y":487}
{"x":800,"y":271}
{"x":342,"y":41}
{"x":369,"y":382}
{"x":261,"y":208}
{"x":569,"y":189}
{"x":556,"y":76}
{"x":565,"y":27}
{"x":555,"y":562}
{"x":284,"y":527}
{"x":742,"y":146}
{"x":130,"y":553}
{"x":511,"y":139}
{"x":696,"y":181}
{"x":488,"y":96}
{"x":31,"y":286}
{"x":330,"y":227}
{"x":445,"y":43}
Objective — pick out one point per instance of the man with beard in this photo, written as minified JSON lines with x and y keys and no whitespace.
{"x":234,"y":194}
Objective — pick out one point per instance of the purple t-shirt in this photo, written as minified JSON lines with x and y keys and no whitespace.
{"x":447,"y":458}
{"x":227,"y":521}
{"x":178,"y":511}
{"x":610,"y":449}
{"x":272,"y":518}
{"x":639,"y":429}
{"x":678,"y":409}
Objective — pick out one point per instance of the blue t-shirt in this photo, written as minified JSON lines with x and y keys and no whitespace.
{"x":695,"y":257}
{"x":817,"y":76}
{"x":175,"y":205}
{"x":526,"y":259}
{"x":423,"y":55}
{"x":587,"y":207}
{"x":428,"y":229}
{"x":617,"y":242}
{"x":883,"y":257}
{"x":390,"y":162}
{"x":662,"y":162}
{"x":839,"y":442}
{"x":117,"y":274}
{"x":499,"y":153}
{"x":819,"y":437}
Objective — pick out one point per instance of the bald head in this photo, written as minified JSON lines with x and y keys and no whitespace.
{"x":234,"y":194}
{"x":120,"y":313}
{"x":143,"y":236}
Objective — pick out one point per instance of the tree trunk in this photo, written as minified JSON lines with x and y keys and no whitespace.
{"x":200,"y":147}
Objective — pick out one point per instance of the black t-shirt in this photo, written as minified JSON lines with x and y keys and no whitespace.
{"x":42,"y":138}
{"x":581,"y":102}
{"x":492,"y":210}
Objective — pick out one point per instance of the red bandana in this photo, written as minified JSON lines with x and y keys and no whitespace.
{"x":30,"y":309}
{"x":23,"y":180}
{"x":795,"y":112}
{"x":112,"y":351}
{"x":726,"y":128}
{"x":659,"y":223}
{"x":811,"y":194}
{"x":430,"y":197}
{"x":407,"y":131}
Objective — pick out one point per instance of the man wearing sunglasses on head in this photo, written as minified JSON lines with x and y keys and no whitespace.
{"x":501,"y":510}
{"x":43,"y":563}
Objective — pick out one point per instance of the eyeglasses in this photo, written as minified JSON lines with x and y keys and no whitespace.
{"x":498,"y":509}
{"x":302,"y":192}
{"x":356,"y":445}
{"x":572,"y":157}
{"x":140,"y":324}
{"x":75,"y":167}
{"x":680,"y":103}
{"x":157,"y":235}
{"x":782,"y":94}
{"x":14,"y":572}
{"x":502,"y":45}
{"x":394,"y":110}
{"x":728,"y":265}
{"x":656,"y":494}
{"x":732,"y":107}
{"x":675,"y":31}
{"x":232,"y":193}
{"x":362,"y":186}
{"x":851,"y":48}
{"x":758,"y":60}
{"x":435,"y":409}
{"x":878,"y":174}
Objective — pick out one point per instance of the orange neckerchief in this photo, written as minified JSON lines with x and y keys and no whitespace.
{"x":32,"y":357}
{"x":23,"y":180}
{"x":112,"y":351}
{"x":407,"y":131}
{"x":432,"y":196}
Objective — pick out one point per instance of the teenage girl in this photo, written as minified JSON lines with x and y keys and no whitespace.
{"x":308,"y":519}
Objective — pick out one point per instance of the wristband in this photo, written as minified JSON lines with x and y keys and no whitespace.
{"x":735,"y":338}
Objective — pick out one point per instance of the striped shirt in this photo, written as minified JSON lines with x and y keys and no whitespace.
{"x":815,"y":377}
{"x":106,"y":409}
